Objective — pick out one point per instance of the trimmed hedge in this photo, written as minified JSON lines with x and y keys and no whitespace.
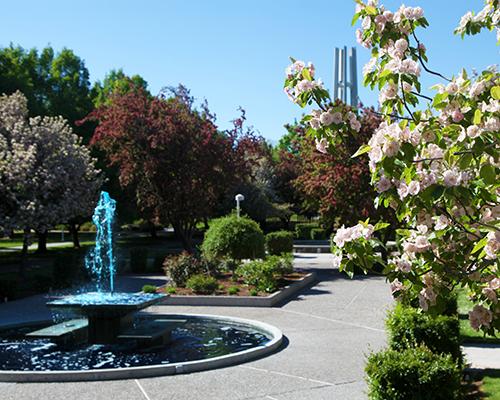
{"x":138,"y":260}
{"x":303,"y":231}
{"x":407,"y":327}
{"x":412,"y":374}
{"x":233,"y":237}
{"x":279,"y":242}
{"x":318,"y":234}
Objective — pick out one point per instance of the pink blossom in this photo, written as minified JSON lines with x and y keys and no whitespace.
{"x":479,"y":317}
{"x":383,"y":184}
{"x":322,"y":145}
{"x":396,"y":286}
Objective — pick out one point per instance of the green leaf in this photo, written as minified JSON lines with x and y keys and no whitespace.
{"x":495,"y":92}
{"x":479,"y":245}
{"x":488,"y":174}
{"x":477,"y":117}
{"x":371,"y":10}
{"x":355,"y":19}
{"x":362,"y":150}
{"x":439,"y":99}
{"x":306,"y":74}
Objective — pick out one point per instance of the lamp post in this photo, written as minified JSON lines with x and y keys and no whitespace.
{"x":238,"y":198}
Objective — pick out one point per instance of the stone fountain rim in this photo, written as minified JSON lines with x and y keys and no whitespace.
{"x":149,"y":371}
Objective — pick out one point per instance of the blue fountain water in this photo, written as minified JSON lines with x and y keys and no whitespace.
{"x":101,"y":261}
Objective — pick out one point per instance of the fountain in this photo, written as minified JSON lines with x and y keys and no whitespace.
{"x":109,"y":315}
{"x":108,"y":337}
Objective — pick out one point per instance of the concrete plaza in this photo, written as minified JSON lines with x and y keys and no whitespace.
{"x":329,"y":330}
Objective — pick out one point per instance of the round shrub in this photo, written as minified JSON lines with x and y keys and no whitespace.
{"x":180,"y":268}
{"x":259,"y":274}
{"x":279,"y":242}
{"x":415,"y":373}
{"x":407,"y":327}
{"x":138,"y":260}
{"x":233,"y":237}
{"x":202,"y":284}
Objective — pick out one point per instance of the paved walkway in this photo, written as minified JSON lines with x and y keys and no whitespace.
{"x":330,"y":328}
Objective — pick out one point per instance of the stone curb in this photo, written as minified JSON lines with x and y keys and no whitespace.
{"x":242,"y":301}
{"x":163,"y":369}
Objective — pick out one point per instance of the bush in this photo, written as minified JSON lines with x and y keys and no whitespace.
{"x":254,"y":292}
{"x":88,"y":227}
{"x":149,"y":289}
{"x":233,"y":237}
{"x":138,"y":260}
{"x":171,"y":290}
{"x":412,"y":374}
{"x":180,"y":268}
{"x":158,"y":263}
{"x":227,"y":264}
{"x":303,"y":231}
{"x":202,"y":284}
{"x":65,"y":269}
{"x":264,"y":274}
{"x":318,"y":234}
{"x":407,"y":327}
{"x":448,"y":305}
{"x":232,"y":290}
{"x":8,"y":289}
{"x":279,"y":242}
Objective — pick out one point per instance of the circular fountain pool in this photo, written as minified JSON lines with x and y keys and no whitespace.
{"x":200,"y":342}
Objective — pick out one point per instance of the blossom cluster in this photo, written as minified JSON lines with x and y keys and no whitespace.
{"x":488,"y":17}
{"x":438,"y":167}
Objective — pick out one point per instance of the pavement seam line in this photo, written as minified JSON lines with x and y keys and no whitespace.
{"x":356,"y":296}
{"x":290,"y":376}
{"x":142,"y":389}
{"x":333,"y":320}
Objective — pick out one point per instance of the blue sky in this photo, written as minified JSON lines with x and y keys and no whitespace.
{"x":231,"y":52}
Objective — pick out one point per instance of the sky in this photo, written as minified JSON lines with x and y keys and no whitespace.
{"x":230,"y":52}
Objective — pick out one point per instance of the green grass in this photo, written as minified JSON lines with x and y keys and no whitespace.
{"x":468,"y":334}
{"x":491,"y":384}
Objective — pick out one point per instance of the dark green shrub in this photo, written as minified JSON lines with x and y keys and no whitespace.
{"x":318,"y":234}
{"x":149,"y":289}
{"x":65,"y":270}
{"x":303,"y":231}
{"x":232,"y":290}
{"x":233,"y":237}
{"x":447,"y":306}
{"x":412,"y":374}
{"x":265,"y":274}
{"x":408,"y":327}
{"x":138,"y":260}
{"x":202,"y":284}
{"x":279,"y":242}
{"x":181,"y":267}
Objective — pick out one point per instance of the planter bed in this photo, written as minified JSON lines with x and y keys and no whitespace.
{"x":291,"y":284}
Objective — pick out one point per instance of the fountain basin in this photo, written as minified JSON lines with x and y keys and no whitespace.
{"x":108,"y":314}
{"x":204,"y":342}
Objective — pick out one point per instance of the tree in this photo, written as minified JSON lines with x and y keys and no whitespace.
{"x":436,"y":167}
{"x":47,"y":176}
{"x":171,"y":155}
{"x":335,"y":184}
{"x":116,"y":82}
{"x":54,"y":84}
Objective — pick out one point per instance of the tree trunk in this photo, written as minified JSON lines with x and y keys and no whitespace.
{"x":185,"y":235}
{"x":73,"y":229}
{"x":24,"y":254}
{"x":42,"y":241}
{"x":152,"y":230}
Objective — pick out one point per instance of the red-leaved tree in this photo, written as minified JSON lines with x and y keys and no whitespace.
{"x":171,"y":155}
{"x":335,"y":184}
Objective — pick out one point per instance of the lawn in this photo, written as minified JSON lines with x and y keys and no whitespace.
{"x":491,"y":384}
{"x":468,"y":334}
